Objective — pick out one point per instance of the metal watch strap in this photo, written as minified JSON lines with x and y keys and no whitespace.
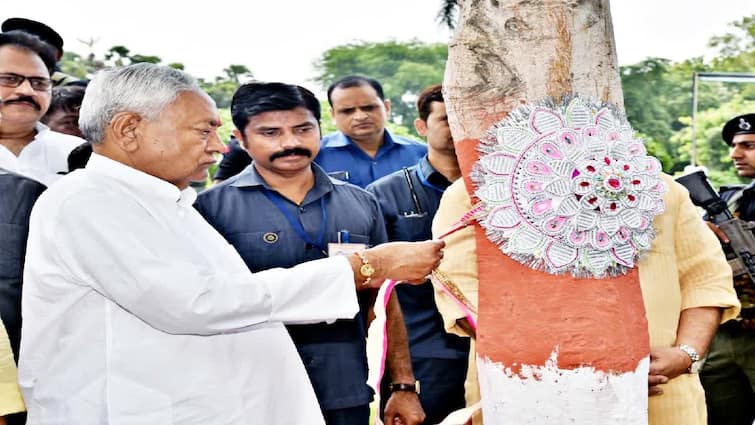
{"x":692,"y":353}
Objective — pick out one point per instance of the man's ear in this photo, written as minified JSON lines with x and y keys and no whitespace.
{"x":125,"y":129}
{"x":387,"y":104}
{"x":421,"y":126}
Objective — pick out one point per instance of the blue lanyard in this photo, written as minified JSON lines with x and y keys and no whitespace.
{"x":425,"y":182}
{"x":295,"y":223}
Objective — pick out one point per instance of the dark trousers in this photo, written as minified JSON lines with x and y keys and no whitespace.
{"x":441,"y":386}
{"x":728,"y":376}
{"x":16,"y":419}
{"x":359,"y":415}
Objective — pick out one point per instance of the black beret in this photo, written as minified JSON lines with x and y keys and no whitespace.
{"x":743,"y":124}
{"x":39,"y":29}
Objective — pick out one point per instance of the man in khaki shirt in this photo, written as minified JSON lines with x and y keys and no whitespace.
{"x":686,"y":287}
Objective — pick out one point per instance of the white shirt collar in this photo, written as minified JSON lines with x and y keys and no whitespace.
{"x":141,"y":183}
{"x":40,"y":128}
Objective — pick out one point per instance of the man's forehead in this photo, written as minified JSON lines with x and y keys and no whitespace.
{"x":14,"y":58}
{"x":437,"y":107}
{"x":198,"y":103}
{"x":283,"y":118}
{"x":743,"y":138}
{"x":355,"y":94}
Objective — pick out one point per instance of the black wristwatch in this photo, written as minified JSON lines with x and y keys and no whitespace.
{"x":404,"y":387}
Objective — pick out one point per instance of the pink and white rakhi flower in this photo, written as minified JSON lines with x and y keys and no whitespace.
{"x":567,"y":188}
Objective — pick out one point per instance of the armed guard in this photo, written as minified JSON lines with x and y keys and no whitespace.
{"x":728,"y":374}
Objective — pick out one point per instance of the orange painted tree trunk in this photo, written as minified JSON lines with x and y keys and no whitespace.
{"x":552,"y":349}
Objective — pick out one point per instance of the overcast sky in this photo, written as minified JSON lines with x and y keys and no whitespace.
{"x":280,"y":39}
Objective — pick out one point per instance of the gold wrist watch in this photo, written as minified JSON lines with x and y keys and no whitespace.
{"x":366,"y":270}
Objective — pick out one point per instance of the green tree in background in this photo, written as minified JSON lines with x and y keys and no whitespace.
{"x":712,"y":152}
{"x":221,"y":88}
{"x":403,"y":69}
{"x":654,"y":117}
{"x":80,"y":66}
{"x":119,"y":55}
{"x":658,"y":101}
{"x":236,"y":72}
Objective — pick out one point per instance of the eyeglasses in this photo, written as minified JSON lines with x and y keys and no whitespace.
{"x":14,"y":80}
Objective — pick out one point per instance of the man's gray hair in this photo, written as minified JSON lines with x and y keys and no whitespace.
{"x":142,"y":88}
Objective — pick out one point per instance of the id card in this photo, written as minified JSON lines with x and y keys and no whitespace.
{"x":345,"y":248}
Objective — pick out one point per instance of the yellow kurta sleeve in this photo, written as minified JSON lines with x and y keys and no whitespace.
{"x":704,"y":275}
{"x":460,"y":257}
{"x":685,"y":268}
{"x":10,"y":395}
{"x":460,"y":265}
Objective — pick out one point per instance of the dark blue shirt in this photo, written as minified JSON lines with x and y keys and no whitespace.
{"x":409,"y":200}
{"x":341,"y":158}
{"x":334,"y":355}
{"x":17,"y":196}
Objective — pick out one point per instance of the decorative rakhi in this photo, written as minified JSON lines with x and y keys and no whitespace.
{"x":567,"y":188}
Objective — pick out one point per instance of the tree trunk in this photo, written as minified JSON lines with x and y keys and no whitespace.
{"x":552,"y":349}
{"x":508,"y":52}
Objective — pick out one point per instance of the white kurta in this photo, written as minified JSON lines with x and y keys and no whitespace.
{"x":136,"y":312}
{"x":43,"y":158}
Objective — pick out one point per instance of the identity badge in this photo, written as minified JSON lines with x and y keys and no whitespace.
{"x":345,"y":248}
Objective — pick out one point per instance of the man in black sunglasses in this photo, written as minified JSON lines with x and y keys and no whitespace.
{"x":28,"y":147}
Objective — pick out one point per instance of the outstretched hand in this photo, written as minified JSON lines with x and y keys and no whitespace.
{"x":406,"y":261}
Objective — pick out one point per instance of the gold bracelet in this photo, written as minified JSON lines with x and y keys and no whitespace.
{"x":366,"y":270}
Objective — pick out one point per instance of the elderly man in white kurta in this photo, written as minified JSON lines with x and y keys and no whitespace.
{"x":136,"y":311}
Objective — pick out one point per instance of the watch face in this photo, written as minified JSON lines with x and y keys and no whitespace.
{"x":691,"y":352}
{"x":366,"y":270}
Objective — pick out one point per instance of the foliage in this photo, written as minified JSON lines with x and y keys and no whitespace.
{"x":658,"y":101}
{"x":712,"y":152}
{"x":225,"y":130}
{"x":235,"y":72}
{"x":221,"y":88}
{"x":403,"y":69}
{"x":79,"y":66}
{"x":447,"y":13}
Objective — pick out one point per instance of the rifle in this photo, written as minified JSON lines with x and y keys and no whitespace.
{"x":740,"y":251}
